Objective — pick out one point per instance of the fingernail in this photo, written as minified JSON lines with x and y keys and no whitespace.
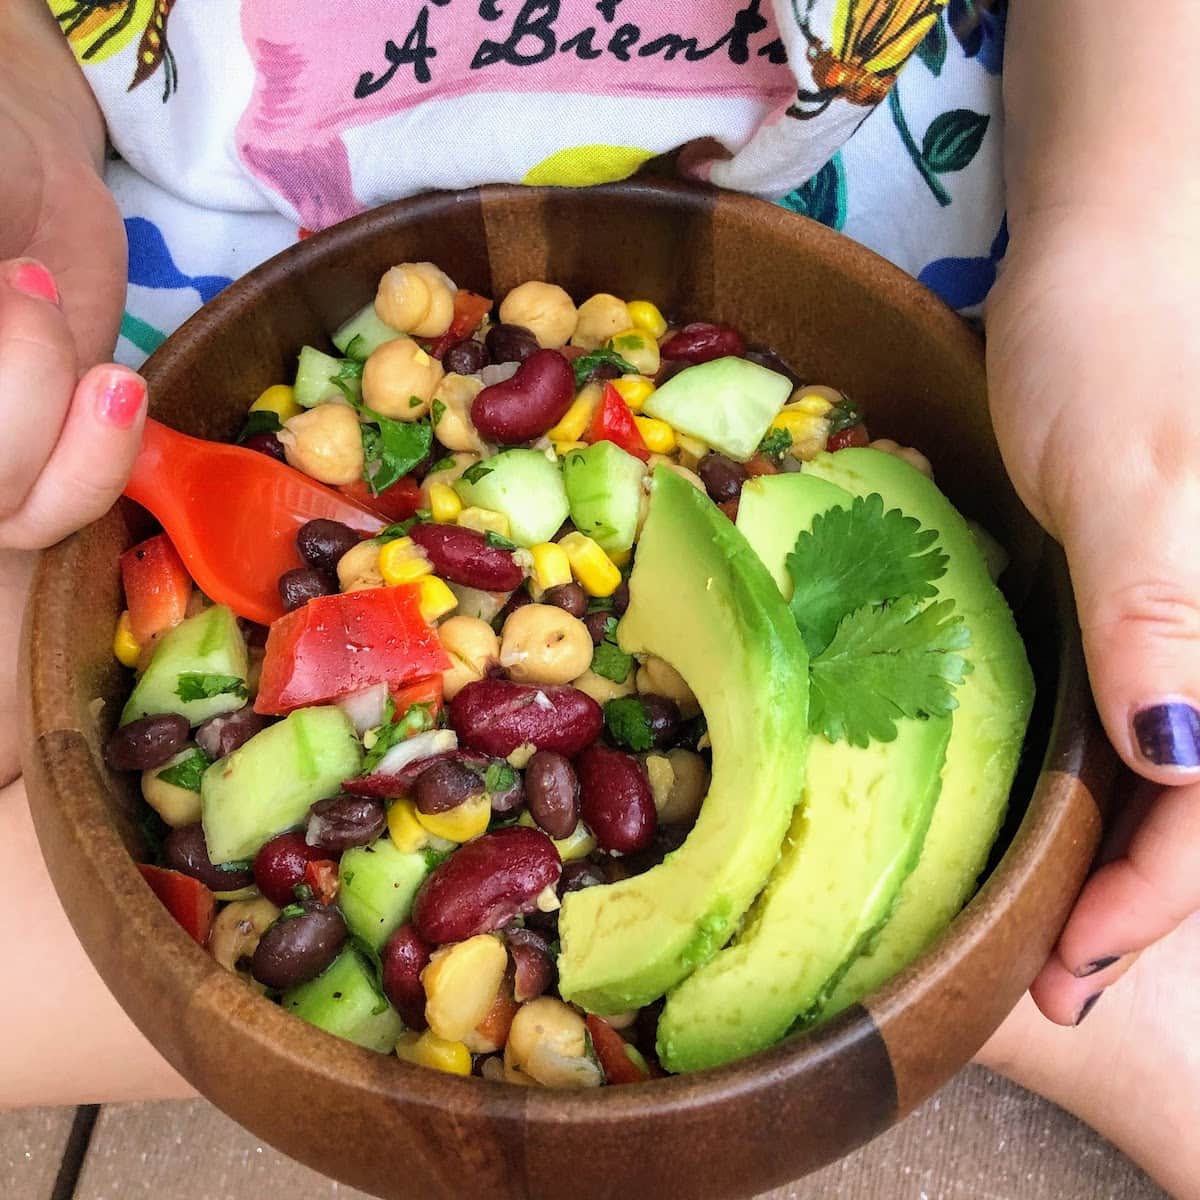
{"x":121,"y":399}
{"x":1094,"y":968}
{"x":30,"y":277}
{"x":1088,"y":1005}
{"x":1168,"y":735}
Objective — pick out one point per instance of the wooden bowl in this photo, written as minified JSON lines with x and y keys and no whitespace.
{"x":840,"y":315}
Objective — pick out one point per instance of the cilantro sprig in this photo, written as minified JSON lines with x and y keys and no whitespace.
{"x":628,"y":723}
{"x":194,"y":685}
{"x":585,"y":364}
{"x":416,"y":719}
{"x":188,"y":771}
{"x":608,"y":659}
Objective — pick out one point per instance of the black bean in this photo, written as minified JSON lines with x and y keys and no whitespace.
{"x":597,"y":622}
{"x":766,"y":357}
{"x":620,"y":598}
{"x":690,"y":733}
{"x":146,"y":743}
{"x":662,"y":716}
{"x":722,"y":477}
{"x":222,"y":735}
{"x":578,"y":875}
{"x":268,"y":444}
{"x":570,"y":597}
{"x":298,"y":587}
{"x":552,"y":793}
{"x":445,"y":785}
{"x":298,"y":948}
{"x":510,"y":343}
{"x":321,"y":543}
{"x":344,"y":822}
{"x":184,"y":849}
{"x":466,"y":358}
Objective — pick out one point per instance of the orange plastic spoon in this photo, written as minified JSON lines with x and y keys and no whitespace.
{"x":233,"y":514}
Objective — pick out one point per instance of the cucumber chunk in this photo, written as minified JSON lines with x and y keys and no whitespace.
{"x":345,"y":1001}
{"x":363,"y":334}
{"x":376,"y":886}
{"x":524,"y":485}
{"x":605,"y":493}
{"x":315,"y":374}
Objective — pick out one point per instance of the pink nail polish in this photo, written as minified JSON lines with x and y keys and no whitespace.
{"x":33,"y":279}
{"x":121,"y":400}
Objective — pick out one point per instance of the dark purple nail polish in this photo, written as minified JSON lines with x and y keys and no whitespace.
{"x":1094,"y":968}
{"x":1168,"y":735}
{"x":1088,"y":1005}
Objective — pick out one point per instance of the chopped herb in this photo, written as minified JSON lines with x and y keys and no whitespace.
{"x":400,"y":529}
{"x":302,"y":891}
{"x":844,"y":416}
{"x":434,"y":857}
{"x":628,"y":724}
{"x":499,"y":777}
{"x":415,"y":402}
{"x":608,"y":659}
{"x":416,"y":719}
{"x":349,"y":368}
{"x":391,"y":448}
{"x":775,"y":445}
{"x":442,"y":464}
{"x":188,"y":772}
{"x":292,"y":910}
{"x":372,"y":956}
{"x":585,"y":364}
{"x":630,"y":341}
{"x":497,"y":541}
{"x":437,"y":411}
{"x":236,"y":865}
{"x":262,"y":420}
{"x":354,"y":348}
{"x":347,"y":878}
{"x":193,"y":685}
{"x":474,"y":474}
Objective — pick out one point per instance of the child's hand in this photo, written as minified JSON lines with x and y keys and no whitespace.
{"x":1094,"y":369}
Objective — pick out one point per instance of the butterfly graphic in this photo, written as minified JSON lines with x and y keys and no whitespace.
{"x":98,"y":29}
{"x":869,"y":41}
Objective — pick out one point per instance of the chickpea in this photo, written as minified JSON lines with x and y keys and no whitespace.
{"x":907,"y":454}
{"x":542,"y":308}
{"x":461,"y":984}
{"x":442,"y":290}
{"x":176,"y":805}
{"x":325,"y":443}
{"x":236,"y":933}
{"x":599,"y":317}
{"x":603,"y":690}
{"x":473,"y":648}
{"x":688,"y":788}
{"x":547,"y":1042}
{"x":452,"y":420}
{"x":544,"y":644}
{"x":416,"y":298}
{"x":399,"y":380}
{"x":447,"y":475}
{"x":358,"y":568}
{"x":661,"y":679}
{"x":661,"y":775}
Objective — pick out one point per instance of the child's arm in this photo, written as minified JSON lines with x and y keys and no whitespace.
{"x":1094,"y":367}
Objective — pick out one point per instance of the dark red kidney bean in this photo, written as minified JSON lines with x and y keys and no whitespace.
{"x":510,"y":343}
{"x":496,"y":716}
{"x":552,"y":793}
{"x":620,"y":598}
{"x":764,"y":356}
{"x":279,"y":866}
{"x":466,"y":358}
{"x":223,"y":734}
{"x":445,"y":785}
{"x":486,"y":883}
{"x":343,"y":822}
{"x":507,"y":800}
{"x":321,"y":543}
{"x":524,"y":407}
{"x":266,"y":443}
{"x":298,"y":587}
{"x":722,"y":477}
{"x":463,"y":556}
{"x":662,"y":716}
{"x":618,"y":805}
{"x":533,"y":964}
{"x":184,"y":849}
{"x":146,"y":743}
{"x":298,"y":948}
{"x":404,"y":956}
{"x":570,"y":597}
{"x":702,"y":341}
{"x":596,"y":623}
{"x":844,"y":439}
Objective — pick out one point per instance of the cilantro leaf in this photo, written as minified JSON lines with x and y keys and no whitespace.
{"x":434,"y":857}
{"x":585,"y":364}
{"x":187,"y":772}
{"x":437,"y":410}
{"x":474,"y":474}
{"x":444,"y":463}
{"x":845,"y":415}
{"x":417,"y":719}
{"x":776,"y":444}
{"x":192,"y":685}
{"x":399,"y":529}
{"x":260,"y":421}
{"x":355,"y":347}
{"x":392,"y":448}
{"x":884,"y":663}
{"x":626,"y":720}
{"x":608,"y":659}
{"x":499,"y":777}
{"x":856,"y":557}
{"x":498,"y":541}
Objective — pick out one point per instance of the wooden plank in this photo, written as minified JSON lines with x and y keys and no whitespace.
{"x":31,"y":1147}
{"x":981,"y":1139}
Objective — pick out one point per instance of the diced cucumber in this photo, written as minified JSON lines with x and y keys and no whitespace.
{"x":267,"y":786}
{"x":728,"y":403}
{"x":363,"y":334}
{"x":376,"y":886}
{"x":206,"y":653}
{"x":605,"y":492}
{"x":524,"y":485}
{"x":345,"y":1001}
{"x":315,"y":374}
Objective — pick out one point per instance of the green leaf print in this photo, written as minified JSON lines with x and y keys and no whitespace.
{"x":932,"y":50}
{"x":953,"y":139}
{"x":823,"y":197}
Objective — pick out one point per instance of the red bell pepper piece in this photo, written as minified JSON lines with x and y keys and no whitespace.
{"x":157,"y":587}
{"x":185,"y":898}
{"x":855,"y":435}
{"x":321,"y":876}
{"x":613,"y":1052}
{"x":469,"y":310}
{"x":396,"y":503}
{"x":613,"y":422}
{"x":335,"y":645}
{"x":424,"y":691}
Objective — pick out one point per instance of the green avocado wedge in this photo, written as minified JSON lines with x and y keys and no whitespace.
{"x":700,"y":599}
{"x":988,"y":726}
{"x":853,"y":840}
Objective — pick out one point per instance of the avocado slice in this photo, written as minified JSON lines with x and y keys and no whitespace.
{"x":853,"y":841}
{"x":988,"y":726}
{"x":700,"y":599}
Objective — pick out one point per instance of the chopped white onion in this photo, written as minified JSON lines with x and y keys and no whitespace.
{"x":542,"y":700}
{"x":366,"y":708}
{"x":422,"y":745}
{"x":498,"y":372}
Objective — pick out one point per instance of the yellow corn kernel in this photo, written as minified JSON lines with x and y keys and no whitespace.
{"x":124,"y":645}
{"x":645,"y":315}
{"x":551,"y":567}
{"x":462,"y":822}
{"x":402,"y":561}
{"x":577,"y":844}
{"x":562,"y":449}
{"x":438,"y":1054}
{"x":444,"y":504}
{"x":578,"y":417}
{"x":809,"y":433}
{"x":809,"y":402}
{"x":635,"y":390}
{"x":597,"y":574}
{"x":484,"y":520}
{"x":658,"y":435}
{"x":279,"y":399}
{"x":639,"y":349}
{"x":407,"y":833}
{"x":436,"y":598}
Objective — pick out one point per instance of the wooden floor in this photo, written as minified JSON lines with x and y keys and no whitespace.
{"x":981,"y":1138}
